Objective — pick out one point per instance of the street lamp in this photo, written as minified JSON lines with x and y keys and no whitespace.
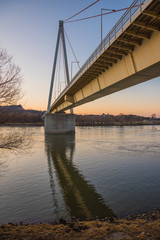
{"x":104,"y":9}
{"x":71,"y":67}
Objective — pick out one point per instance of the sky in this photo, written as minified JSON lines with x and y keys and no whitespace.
{"x":29,"y":32}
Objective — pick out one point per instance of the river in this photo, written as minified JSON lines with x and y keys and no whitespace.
{"x":99,"y":171}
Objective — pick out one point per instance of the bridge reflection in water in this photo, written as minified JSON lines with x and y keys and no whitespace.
{"x":80,"y":197}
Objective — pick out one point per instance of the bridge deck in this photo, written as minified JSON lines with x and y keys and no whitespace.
{"x":136,"y":26}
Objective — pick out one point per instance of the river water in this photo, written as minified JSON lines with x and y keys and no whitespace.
{"x":99,"y":171}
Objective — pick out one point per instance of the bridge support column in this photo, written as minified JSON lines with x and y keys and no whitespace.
{"x":59,"y":123}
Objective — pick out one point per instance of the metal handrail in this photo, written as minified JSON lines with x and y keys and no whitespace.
{"x":134,"y":7}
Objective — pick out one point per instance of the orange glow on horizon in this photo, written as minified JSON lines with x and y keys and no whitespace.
{"x":85,"y":110}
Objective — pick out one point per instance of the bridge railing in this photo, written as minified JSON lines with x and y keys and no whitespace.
{"x":126,"y":17}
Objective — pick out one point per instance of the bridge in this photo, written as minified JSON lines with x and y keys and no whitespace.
{"x":128,"y":55}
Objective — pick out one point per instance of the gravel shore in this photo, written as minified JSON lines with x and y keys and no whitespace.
{"x":142,"y":226}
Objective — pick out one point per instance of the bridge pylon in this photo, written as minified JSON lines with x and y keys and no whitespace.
{"x":59,"y":122}
{"x":60,"y":36}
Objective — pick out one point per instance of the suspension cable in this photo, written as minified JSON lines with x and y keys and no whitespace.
{"x":72,"y":49}
{"x":82,"y":10}
{"x":123,"y":9}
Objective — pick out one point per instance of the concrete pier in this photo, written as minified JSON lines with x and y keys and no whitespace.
{"x":59,"y":123}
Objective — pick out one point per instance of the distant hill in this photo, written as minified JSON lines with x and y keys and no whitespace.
{"x":12,"y":108}
{"x":17,"y":114}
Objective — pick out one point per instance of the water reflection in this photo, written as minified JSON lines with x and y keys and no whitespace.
{"x":13,"y":141}
{"x":81,"y":199}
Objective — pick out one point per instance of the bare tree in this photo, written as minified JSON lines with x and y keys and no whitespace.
{"x":10,"y":93}
{"x":10,"y":80}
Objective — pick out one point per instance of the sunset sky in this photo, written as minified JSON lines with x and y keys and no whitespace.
{"x":29,"y":31}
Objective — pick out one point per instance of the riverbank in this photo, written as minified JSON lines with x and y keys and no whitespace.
{"x":144,"y":226}
{"x":116,"y":124}
{"x":34,"y":124}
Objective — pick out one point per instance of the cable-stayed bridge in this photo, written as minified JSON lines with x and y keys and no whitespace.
{"x":128,"y":55}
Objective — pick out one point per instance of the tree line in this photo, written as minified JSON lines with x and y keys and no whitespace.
{"x":110,"y":120}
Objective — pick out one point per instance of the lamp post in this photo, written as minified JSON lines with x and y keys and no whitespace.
{"x":104,"y":9}
{"x":71,"y":67}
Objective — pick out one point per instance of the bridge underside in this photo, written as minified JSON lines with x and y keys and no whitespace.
{"x":132,"y":57}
